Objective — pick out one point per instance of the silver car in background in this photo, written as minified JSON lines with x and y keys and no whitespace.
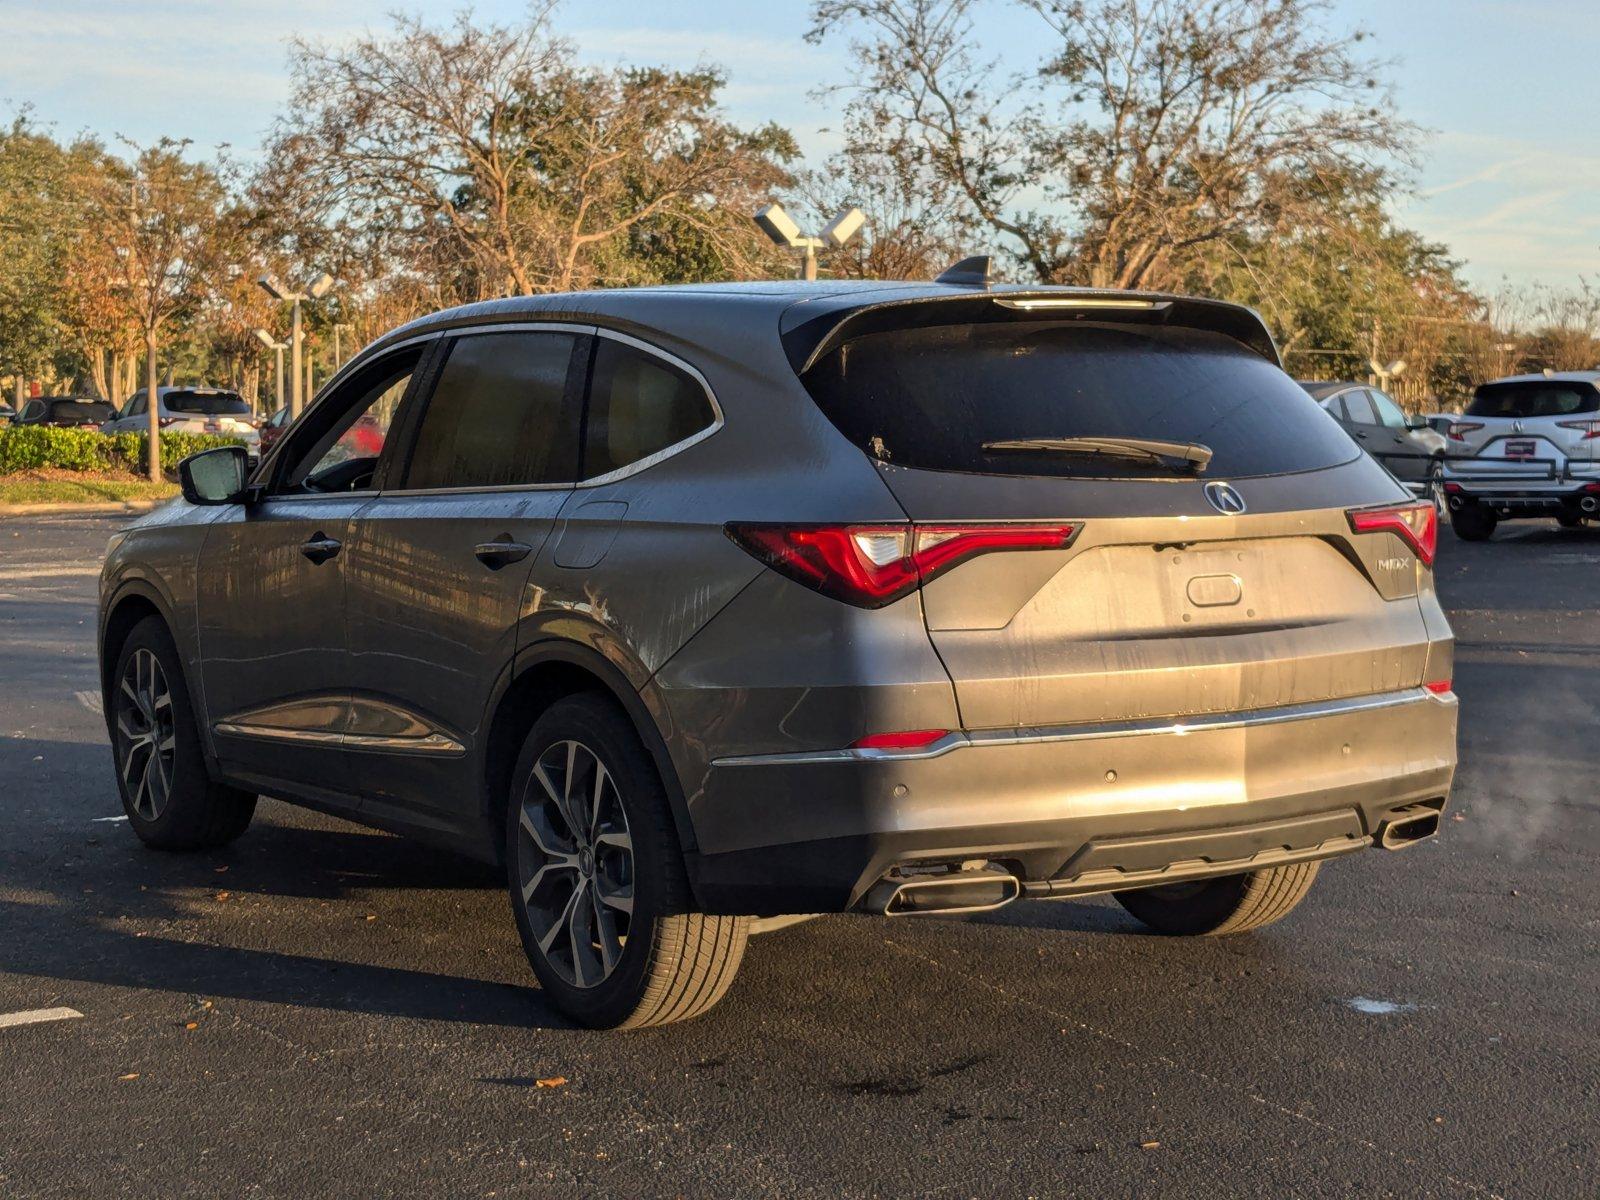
{"x":198,"y":410}
{"x":1526,"y":446}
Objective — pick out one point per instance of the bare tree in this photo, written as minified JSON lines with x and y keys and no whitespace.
{"x":1147,"y":129}
{"x":489,"y":146}
{"x":160,"y":224}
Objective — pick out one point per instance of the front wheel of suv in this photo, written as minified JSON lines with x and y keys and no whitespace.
{"x":597,"y":880}
{"x":171,"y":801}
{"x":1473,"y":522}
{"x":1230,"y":904}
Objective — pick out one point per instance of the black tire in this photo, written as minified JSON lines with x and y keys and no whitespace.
{"x":656,"y":962}
{"x":1569,"y":521}
{"x":1473,"y":522}
{"x":170,"y":798}
{"x":1216,"y":907}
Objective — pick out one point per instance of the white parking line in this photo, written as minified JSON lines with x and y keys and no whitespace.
{"x":37,"y":1016}
{"x":35,"y":574}
{"x":111,"y":820}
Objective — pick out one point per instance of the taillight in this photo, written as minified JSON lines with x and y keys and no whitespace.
{"x":1459,"y":429}
{"x":1589,"y":429}
{"x":874,"y":565}
{"x":1417,"y":524}
{"x":1439,"y":687}
{"x":165,"y":421}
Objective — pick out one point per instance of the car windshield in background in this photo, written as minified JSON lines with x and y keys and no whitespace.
{"x":206,"y":404}
{"x":934,"y":397}
{"x":1535,"y":399}
{"x":80,"y":410}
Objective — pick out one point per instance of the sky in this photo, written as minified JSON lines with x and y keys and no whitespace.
{"x":1508,"y":91}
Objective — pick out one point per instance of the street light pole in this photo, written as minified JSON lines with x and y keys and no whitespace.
{"x":277,"y":348}
{"x":315,"y":290}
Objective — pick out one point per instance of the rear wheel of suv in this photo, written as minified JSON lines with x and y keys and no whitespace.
{"x":171,"y":801}
{"x":1473,"y":522}
{"x":1569,"y":521}
{"x":1230,"y":904}
{"x":597,"y":881}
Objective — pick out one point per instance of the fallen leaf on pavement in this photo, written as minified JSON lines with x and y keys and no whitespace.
{"x":553,"y":1081}
{"x":133,"y":1075}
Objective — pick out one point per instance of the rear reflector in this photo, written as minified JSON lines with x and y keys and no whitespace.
{"x":911,"y":739}
{"x":1438,"y":687}
{"x":1417,"y":525}
{"x":870,"y":566}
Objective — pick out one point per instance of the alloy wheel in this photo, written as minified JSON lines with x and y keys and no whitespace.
{"x":145,"y":734}
{"x":575,"y":863}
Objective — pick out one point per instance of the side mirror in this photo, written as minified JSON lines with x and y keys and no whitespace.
{"x":215,"y":476}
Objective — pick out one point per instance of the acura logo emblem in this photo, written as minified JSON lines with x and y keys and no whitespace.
{"x":1223,"y":498}
{"x":1516,"y":427}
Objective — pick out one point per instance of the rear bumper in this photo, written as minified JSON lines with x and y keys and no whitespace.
{"x":1071,"y":810}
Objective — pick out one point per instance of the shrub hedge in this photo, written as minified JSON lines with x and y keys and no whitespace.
{"x":31,"y":447}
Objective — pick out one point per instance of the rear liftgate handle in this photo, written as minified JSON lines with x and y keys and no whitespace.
{"x":320,"y":548}
{"x":501,"y":552}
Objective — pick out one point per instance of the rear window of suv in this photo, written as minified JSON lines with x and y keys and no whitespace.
{"x":1534,"y":399}
{"x":931,"y":397}
{"x":206,"y":404}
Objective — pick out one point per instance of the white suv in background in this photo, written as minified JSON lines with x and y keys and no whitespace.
{"x":188,"y":410}
{"x":1527,"y":446}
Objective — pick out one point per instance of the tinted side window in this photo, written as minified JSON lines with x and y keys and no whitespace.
{"x":500,"y":414}
{"x":1360,"y":408}
{"x":135,"y":407}
{"x":638,"y":404}
{"x":1388,"y":411}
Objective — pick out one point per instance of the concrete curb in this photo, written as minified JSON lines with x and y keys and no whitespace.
{"x":119,"y":508}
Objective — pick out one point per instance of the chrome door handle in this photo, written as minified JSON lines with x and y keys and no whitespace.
{"x":501,"y":552}
{"x":320,"y":548}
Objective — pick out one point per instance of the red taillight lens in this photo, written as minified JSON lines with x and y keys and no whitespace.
{"x":1459,"y":429}
{"x":910,"y":739}
{"x":1417,"y":524}
{"x":1438,"y":687}
{"x":1589,"y":429}
{"x":874,"y":565}
{"x":165,"y":421}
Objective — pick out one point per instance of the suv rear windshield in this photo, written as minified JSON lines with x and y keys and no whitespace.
{"x":1534,"y":399}
{"x":931,"y":397}
{"x":80,"y":410}
{"x":206,"y":404}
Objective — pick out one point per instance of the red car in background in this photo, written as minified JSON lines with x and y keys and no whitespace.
{"x":364,"y":439}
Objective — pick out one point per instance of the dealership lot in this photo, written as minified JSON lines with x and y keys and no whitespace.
{"x":321,"y":1010}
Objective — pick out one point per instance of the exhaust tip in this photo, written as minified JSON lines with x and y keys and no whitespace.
{"x":983,"y":889}
{"x":1589,"y":504}
{"x":1409,"y":826}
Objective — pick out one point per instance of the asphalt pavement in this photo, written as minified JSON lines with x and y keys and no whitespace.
{"x":320,"y":1010}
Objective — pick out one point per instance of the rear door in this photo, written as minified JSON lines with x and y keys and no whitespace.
{"x":1237,"y":589}
{"x":437,"y":570}
{"x":1391,"y":443}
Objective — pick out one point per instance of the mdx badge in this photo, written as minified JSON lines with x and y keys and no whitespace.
{"x":1224,"y":498}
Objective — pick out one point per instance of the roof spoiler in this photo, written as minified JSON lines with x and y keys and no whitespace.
{"x":810,"y":340}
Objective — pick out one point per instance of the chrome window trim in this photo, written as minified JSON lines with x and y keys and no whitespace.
{"x":433,"y":743}
{"x":531,"y":326}
{"x":960,"y":740}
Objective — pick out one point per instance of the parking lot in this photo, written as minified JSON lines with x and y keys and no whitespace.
{"x":323,"y":1010}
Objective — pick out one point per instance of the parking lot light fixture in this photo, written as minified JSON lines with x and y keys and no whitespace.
{"x":319,"y":287}
{"x":781,"y":229}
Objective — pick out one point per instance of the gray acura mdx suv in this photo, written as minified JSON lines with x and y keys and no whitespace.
{"x":696,"y":607}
